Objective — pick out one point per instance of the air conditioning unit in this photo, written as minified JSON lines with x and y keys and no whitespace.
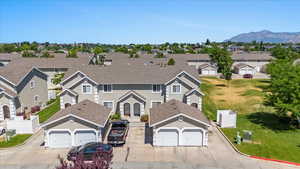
{"x":226,"y":118}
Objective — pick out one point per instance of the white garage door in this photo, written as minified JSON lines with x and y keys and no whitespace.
{"x":85,"y":136}
{"x":192,"y":137}
{"x":60,"y":139}
{"x":205,"y":72}
{"x":212,"y":72}
{"x":167,"y":137}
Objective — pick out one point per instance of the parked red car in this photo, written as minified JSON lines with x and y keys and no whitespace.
{"x":248,"y":76}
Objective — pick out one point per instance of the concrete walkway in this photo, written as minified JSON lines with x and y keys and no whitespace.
{"x":137,"y":155}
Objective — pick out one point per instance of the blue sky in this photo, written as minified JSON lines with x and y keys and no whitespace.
{"x":137,"y":21}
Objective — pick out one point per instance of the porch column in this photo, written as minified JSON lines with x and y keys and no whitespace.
{"x":200,"y":103}
{"x":1,"y":112}
{"x":12,"y":108}
{"x":62,"y":106}
{"x":96,"y":96}
{"x":167,"y":93}
{"x":142,"y":108}
{"x":121,"y":109}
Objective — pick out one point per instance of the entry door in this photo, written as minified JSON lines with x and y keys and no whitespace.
{"x":167,"y":137}
{"x":83,"y":137}
{"x":6,"y":112}
{"x":60,"y":139}
{"x":192,"y":137}
{"x":127,"y":109}
{"x":137,"y":109}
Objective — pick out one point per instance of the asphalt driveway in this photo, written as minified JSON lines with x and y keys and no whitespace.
{"x":137,"y":155}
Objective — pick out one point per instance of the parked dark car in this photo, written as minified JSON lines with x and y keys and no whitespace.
{"x":89,"y":150}
{"x":118,"y":132}
{"x":248,"y":76}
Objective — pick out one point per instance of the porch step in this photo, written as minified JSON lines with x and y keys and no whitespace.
{"x":136,"y":124}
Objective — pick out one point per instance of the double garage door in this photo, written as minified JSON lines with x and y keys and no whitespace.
{"x":172,"y":137}
{"x":63,"y":138}
{"x":209,"y":72}
{"x":246,"y":71}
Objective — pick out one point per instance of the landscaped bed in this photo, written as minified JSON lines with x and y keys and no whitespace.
{"x":272,"y":136}
{"x":46,"y":113}
{"x":15,"y":140}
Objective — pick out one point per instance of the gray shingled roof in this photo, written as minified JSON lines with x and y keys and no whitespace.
{"x":246,"y":56}
{"x":241,"y":65}
{"x":85,"y":109}
{"x":173,"y":108}
{"x":132,"y":73}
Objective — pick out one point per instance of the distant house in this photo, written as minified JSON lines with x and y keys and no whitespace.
{"x":243,"y":69}
{"x":208,"y":69}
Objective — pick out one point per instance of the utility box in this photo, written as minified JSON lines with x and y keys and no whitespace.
{"x":226,"y":118}
{"x":247,"y":136}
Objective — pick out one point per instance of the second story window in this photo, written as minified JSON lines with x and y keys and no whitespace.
{"x":107,"y":88}
{"x":86,"y":89}
{"x":156,"y":88}
{"x":176,"y":88}
{"x":108,"y":104}
{"x":32,"y":84}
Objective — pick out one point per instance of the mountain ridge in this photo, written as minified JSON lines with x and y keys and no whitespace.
{"x":267,"y":36}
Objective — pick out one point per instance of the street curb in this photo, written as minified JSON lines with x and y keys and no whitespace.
{"x":25,"y":142}
{"x":255,"y":157}
{"x":279,"y":161}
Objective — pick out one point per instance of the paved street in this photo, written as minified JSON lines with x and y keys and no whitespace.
{"x":137,"y":155}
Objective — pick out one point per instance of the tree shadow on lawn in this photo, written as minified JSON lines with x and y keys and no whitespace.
{"x":271,"y":121}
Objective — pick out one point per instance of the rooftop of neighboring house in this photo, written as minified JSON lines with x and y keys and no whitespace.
{"x":7,"y":91}
{"x":173,"y":108}
{"x":123,"y":69}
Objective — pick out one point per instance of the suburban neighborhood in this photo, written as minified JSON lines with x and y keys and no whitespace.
{"x":77,"y":103}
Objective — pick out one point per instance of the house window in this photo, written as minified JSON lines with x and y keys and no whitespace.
{"x":36,"y":98}
{"x":176,"y":88}
{"x":86,"y":89}
{"x":155,"y":103}
{"x":32,"y":84}
{"x":107,"y":88}
{"x":108,"y":104}
{"x":156,"y":88}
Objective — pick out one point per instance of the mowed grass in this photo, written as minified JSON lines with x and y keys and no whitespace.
{"x":272,"y":136}
{"x":14,"y":141}
{"x":46,"y":113}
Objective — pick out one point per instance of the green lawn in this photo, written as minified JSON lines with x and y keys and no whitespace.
{"x":272,"y":136}
{"x":46,"y":113}
{"x":14,"y":141}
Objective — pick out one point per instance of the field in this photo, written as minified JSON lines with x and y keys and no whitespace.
{"x":272,"y":136}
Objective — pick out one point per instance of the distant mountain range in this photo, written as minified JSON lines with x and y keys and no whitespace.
{"x":268,"y":36}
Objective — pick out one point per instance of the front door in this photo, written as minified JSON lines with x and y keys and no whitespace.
{"x":6,"y":112}
{"x":137,"y":109}
{"x":127,"y":109}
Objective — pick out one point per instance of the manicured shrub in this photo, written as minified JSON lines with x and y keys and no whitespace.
{"x":35,"y":109}
{"x":145,"y":118}
{"x":171,"y":61}
{"x":100,"y":161}
{"x":116,"y":116}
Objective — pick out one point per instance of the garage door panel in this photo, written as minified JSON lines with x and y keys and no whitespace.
{"x":167,"y":137}
{"x":85,"y":136}
{"x":60,"y":139}
{"x":192,"y":137}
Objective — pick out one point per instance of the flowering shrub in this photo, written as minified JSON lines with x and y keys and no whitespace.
{"x":100,"y":161}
